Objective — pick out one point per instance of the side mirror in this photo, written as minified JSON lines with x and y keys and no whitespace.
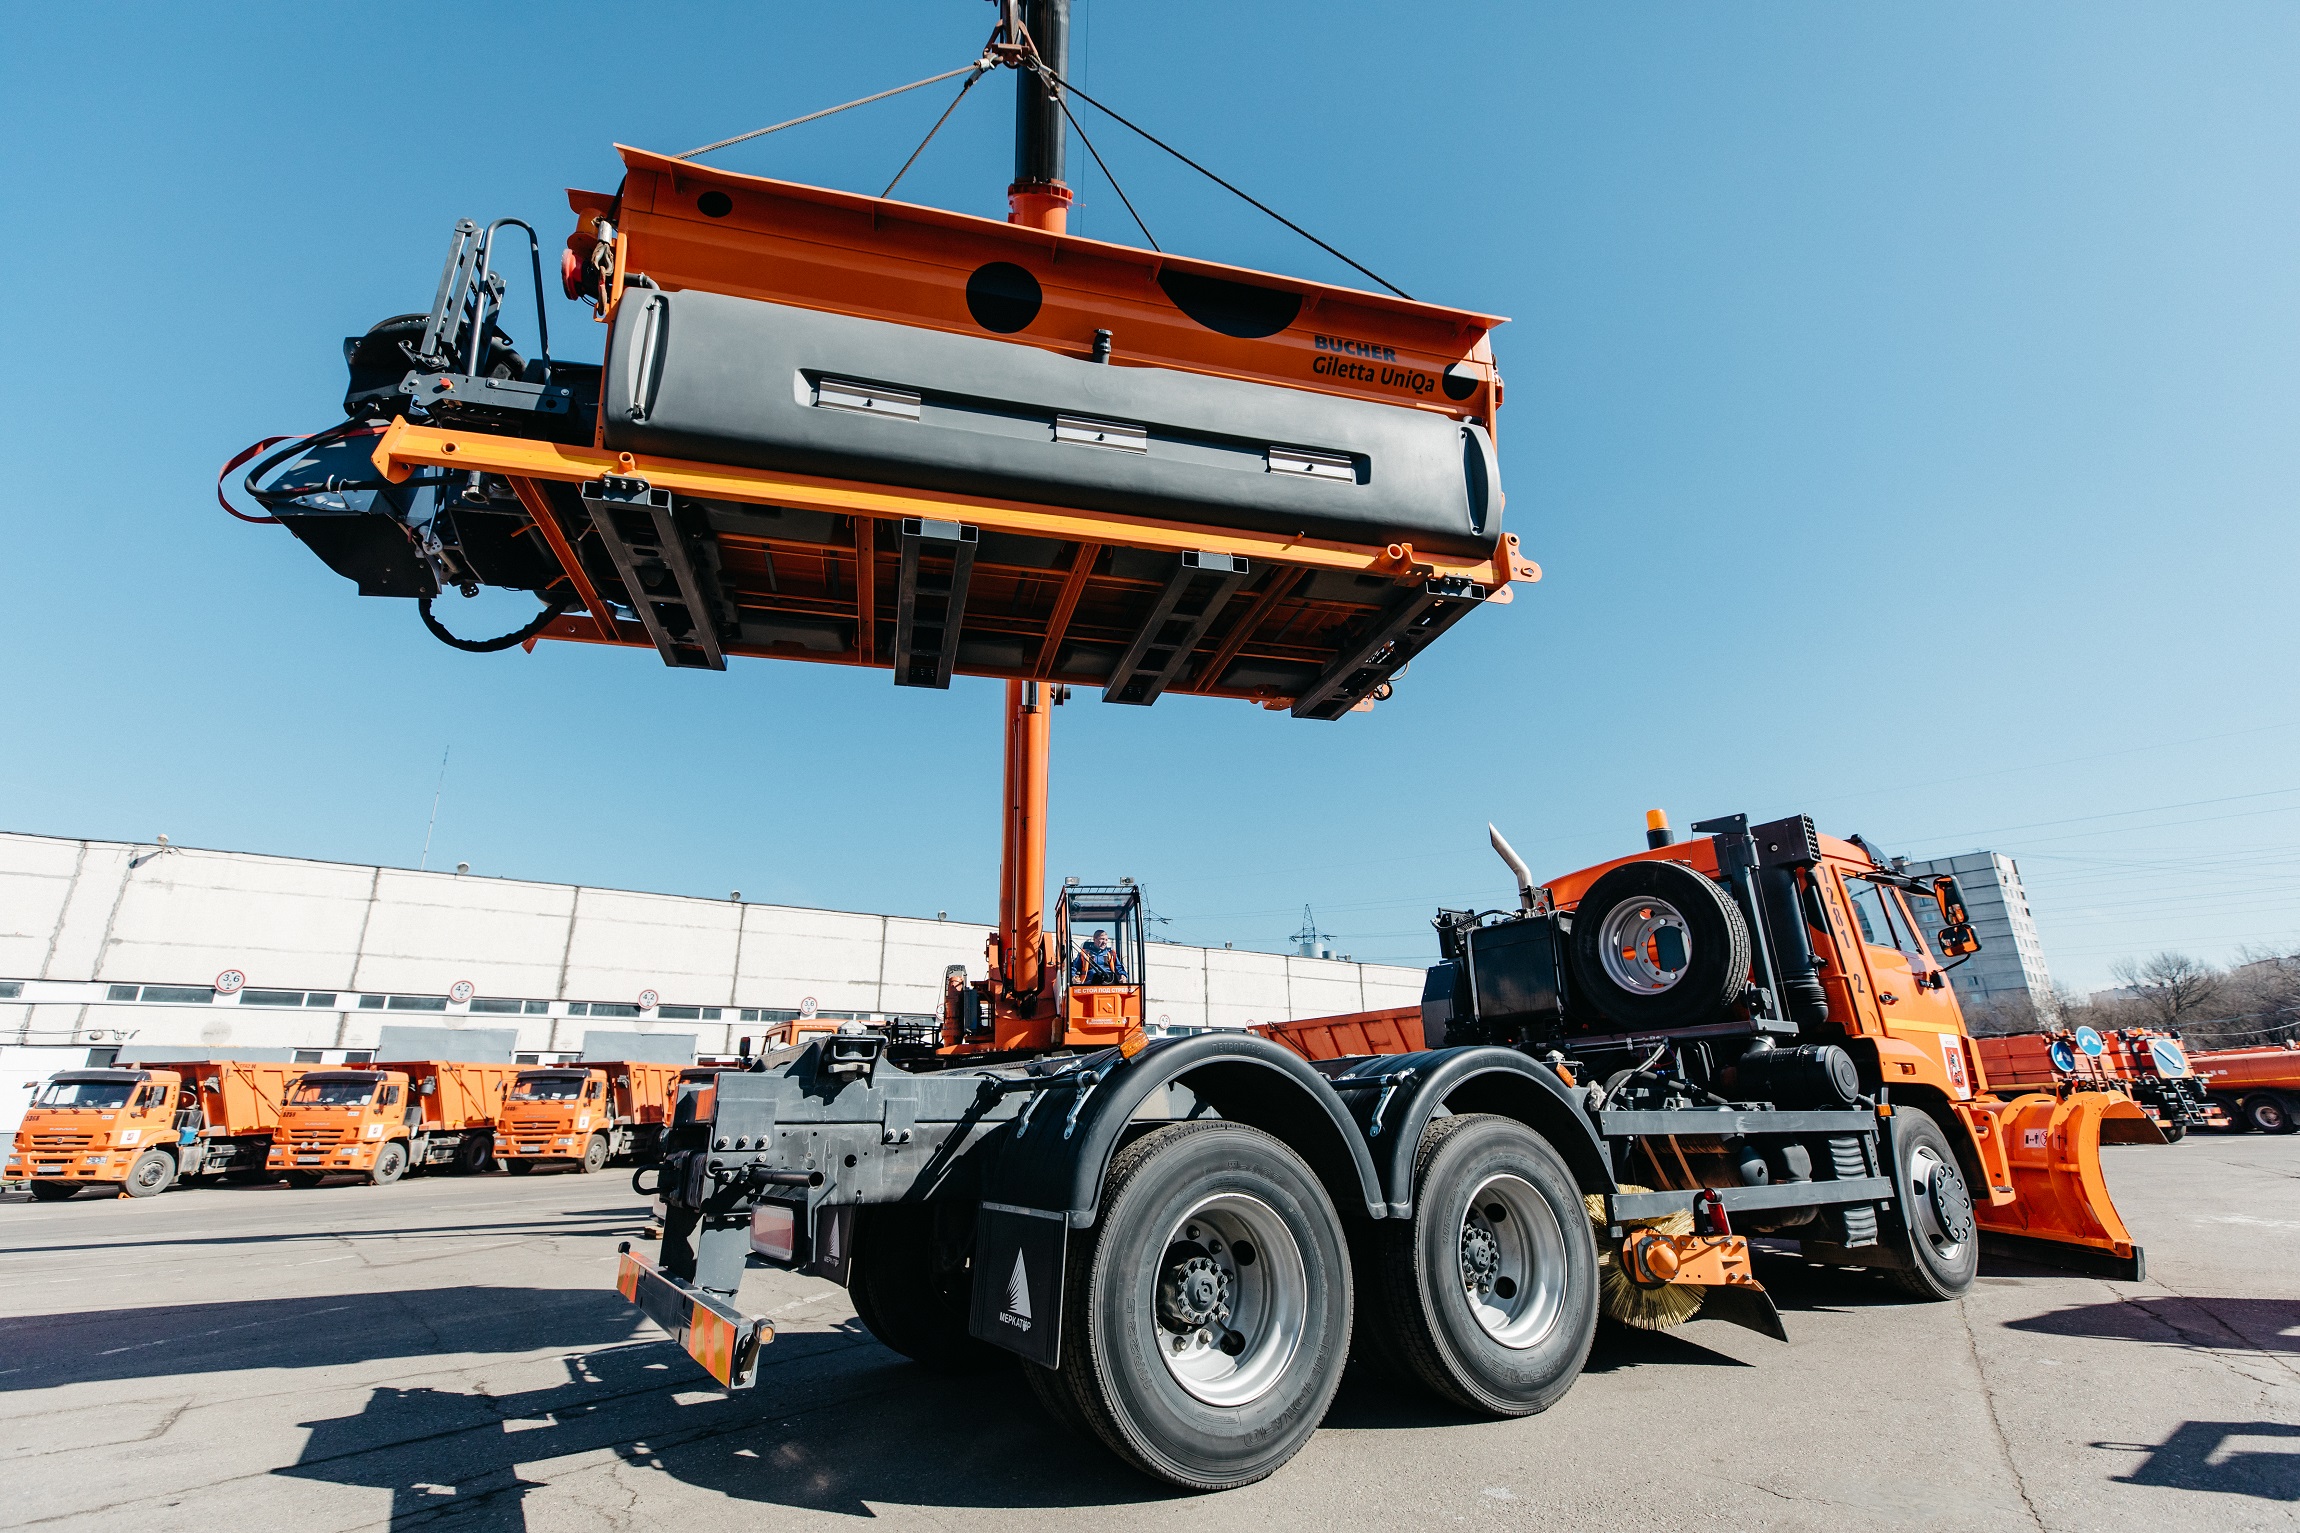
{"x":743,"y":1048}
{"x":1958,"y":940}
{"x":1952,"y":901}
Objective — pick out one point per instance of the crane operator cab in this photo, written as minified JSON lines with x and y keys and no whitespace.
{"x":1100,"y":935}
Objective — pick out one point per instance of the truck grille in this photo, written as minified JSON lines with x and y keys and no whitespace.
{"x":321,"y":1139}
{"x":62,"y":1141}
{"x":535,"y":1128}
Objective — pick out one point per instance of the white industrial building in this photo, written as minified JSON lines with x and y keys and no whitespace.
{"x":109,"y":944}
{"x":2006,"y":982}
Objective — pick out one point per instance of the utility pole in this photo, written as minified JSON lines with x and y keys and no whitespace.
{"x":433,"y":823}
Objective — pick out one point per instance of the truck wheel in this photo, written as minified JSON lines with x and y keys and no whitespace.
{"x":1655,"y":944}
{"x":905,"y":1299}
{"x":390,"y":1164}
{"x":1206,"y":1316}
{"x":53,"y":1192}
{"x":594,"y":1156}
{"x":152,"y":1172}
{"x":2174,"y":1131}
{"x":1937,"y":1211}
{"x":1488,"y":1296}
{"x":2268,"y":1113}
{"x":519,"y":1167}
{"x":472,"y":1156}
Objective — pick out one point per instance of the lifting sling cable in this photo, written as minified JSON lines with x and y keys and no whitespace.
{"x":1057,"y":80}
{"x":1105,"y":169}
{"x":828,"y":111}
{"x":981,"y":67}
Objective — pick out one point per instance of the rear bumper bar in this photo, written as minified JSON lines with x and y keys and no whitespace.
{"x":723,"y":1339}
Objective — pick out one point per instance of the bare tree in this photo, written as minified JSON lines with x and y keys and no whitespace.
{"x":2171,"y":988}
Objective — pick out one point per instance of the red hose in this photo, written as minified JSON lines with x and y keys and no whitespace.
{"x":225,"y":471}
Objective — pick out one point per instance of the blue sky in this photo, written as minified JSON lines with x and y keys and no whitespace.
{"x":1902,"y":408}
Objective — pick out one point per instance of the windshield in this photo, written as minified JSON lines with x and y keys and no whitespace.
{"x":547,"y":1088}
{"x":332,"y":1093}
{"x":87,"y":1094}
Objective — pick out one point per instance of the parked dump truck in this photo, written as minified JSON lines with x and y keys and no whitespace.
{"x":1603,"y":1095}
{"x":2258,"y":1088}
{"x":141,"y":1130}
{"x":585,"y":1115}
{"x":379,"y":1121}
{"x":2145,"y":1064}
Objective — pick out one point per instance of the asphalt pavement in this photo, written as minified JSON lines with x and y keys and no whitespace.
{"x":450,"y":1353}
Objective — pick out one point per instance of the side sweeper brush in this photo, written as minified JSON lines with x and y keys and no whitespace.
{"x":1644,"y":1297}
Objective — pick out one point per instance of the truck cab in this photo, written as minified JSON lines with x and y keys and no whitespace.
{"x":1098,"y":994}
{"x":585,"y":1115}
{"x":348,"y":1121}
{"x":114,"y":1128}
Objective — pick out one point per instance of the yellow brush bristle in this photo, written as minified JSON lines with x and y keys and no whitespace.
{"x":1630,"y":1303}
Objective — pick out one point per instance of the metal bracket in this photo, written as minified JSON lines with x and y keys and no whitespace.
{"x":1201,"y":586}
{"x":930,"y":599}
{"x":1402,"y":630}
{"x":635,"y":526}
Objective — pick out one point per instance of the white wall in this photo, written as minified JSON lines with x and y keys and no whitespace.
{"x":107,"y":910}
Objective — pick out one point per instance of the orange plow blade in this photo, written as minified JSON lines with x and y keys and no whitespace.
{"x":2061,"y":1214}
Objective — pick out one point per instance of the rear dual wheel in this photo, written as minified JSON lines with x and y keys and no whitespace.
{"x":2267,"y":1113}
{"x":1488,"y":1295}
{"x":1206,"y":1316}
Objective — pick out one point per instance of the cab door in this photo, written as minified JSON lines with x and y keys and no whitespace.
{"x":1911,"y":987}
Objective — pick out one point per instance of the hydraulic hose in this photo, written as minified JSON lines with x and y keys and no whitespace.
{"x":543,"y":620}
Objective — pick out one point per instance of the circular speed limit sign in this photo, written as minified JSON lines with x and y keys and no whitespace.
{"x":462,"y":990}
{"x":649,"y":1000}
{"x":230,"y":981}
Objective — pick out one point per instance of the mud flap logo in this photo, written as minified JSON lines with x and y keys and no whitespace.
{"x":1017,"y":1288}
{"x":1017,"y":1311}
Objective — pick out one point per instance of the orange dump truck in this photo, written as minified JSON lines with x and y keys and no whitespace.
{"x":2258,"y":1088}
{"x":2149,"y":1066}
{"x":585,"y":1115}
{"x":379,"y":1121}
{"x":139,"y":1130}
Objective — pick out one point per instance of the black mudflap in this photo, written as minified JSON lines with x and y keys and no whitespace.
{"x":1018,"y":1255}
{"x":1751,"y":1307}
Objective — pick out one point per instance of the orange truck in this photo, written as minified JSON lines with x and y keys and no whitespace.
{"x":379,"y":1121}
{"x":2258,"y":1088}
{"x":2149,"y":1066}
{"x":140,"y":1130}
{"x":585,"y":1115}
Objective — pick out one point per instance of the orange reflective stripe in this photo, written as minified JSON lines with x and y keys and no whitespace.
{"x":711,"y":1342}
{"x":627,"y":1278}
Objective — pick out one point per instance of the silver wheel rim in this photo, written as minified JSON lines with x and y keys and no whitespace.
{"x":1926,"y":1186}
{"x":1628,"y":948}
{"x":1512,"y":1254}
{"x":1232,"y":1300}
{"x":151,"y":1173}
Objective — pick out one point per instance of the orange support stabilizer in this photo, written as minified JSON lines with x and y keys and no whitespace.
{"x":2061,"y":1211}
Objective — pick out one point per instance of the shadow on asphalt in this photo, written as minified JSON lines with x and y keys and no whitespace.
{"x":314,"y":1332}
{"x":2264,"y":1325}
{"x":600,"y":1222}
{"x":838,"y":1425}
{"x":2214,"y":1455}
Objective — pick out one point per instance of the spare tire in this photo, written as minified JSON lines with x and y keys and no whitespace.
{"x":1656,"y":944}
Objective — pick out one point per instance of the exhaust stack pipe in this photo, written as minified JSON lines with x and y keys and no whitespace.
{"x":1526,"y":898}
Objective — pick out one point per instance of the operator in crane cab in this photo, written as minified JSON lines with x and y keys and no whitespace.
{"x":1098,"y":963}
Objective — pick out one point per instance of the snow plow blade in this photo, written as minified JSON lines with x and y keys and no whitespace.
{"x":2061,"y":1214}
